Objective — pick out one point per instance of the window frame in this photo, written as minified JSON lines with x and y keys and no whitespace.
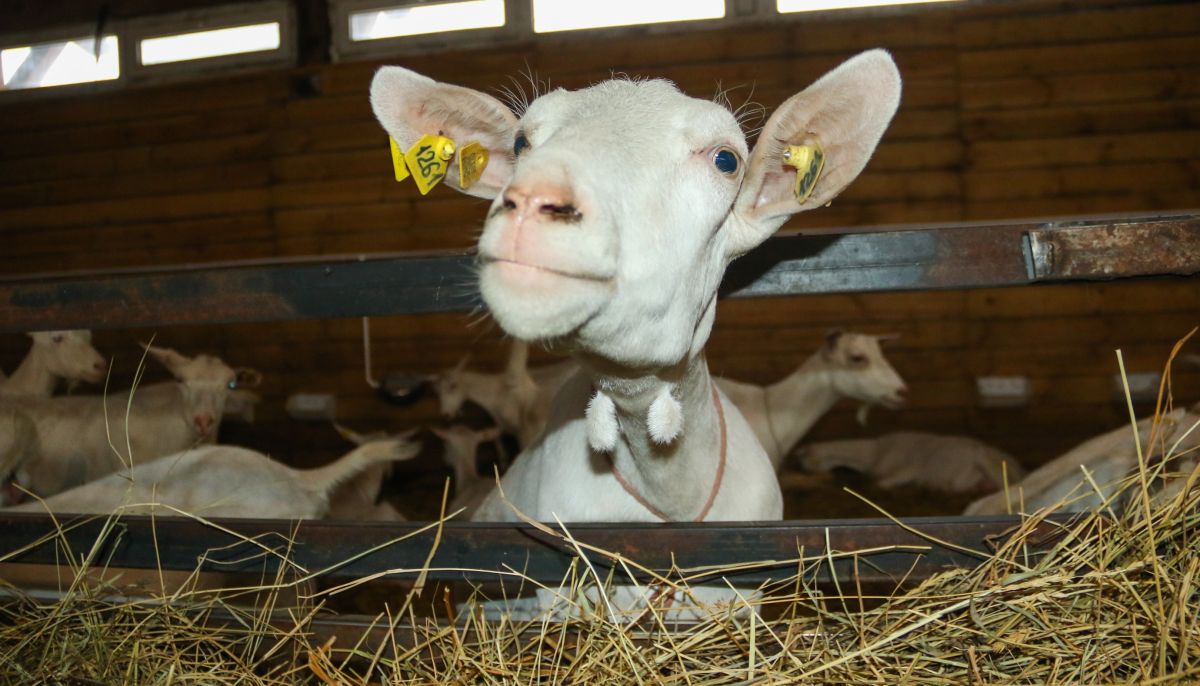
{"x":518,"y":26}
{"x":134,"y":31}
{"x":68,"y":32}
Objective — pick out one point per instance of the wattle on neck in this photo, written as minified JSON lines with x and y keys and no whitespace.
{"x":677,"y":478}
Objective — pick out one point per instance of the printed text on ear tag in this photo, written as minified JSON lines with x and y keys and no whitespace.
{"x":398,"y":165}
{"x":808,"y":160}
{"x":428,"y":159}
{"x":472,"y":160}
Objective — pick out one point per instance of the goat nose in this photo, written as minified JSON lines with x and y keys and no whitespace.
{"x":100,"y":366}
{"x":553,"y":201}
{"x":203,"y":423}
{"x":902,"y":392}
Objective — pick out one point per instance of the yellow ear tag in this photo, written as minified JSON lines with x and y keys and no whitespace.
{"x":472,"y":160}
{"x":398,"y":165}
{"x":428,"y":159}
{"x":808,"y":160}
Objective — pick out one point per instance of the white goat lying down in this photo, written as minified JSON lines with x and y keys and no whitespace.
{"x":222,"y":481}
{"x":953,"y":464}
{"x":615,"y":210}
{"x":848,"y":365}
{"x":518,"y":399}
{"x":461,"y":447}
{"x":1108,"y":459}
{"x":74,"y":434}
{"x":55,"y":355}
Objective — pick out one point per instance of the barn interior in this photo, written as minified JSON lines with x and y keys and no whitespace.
{"x":1010,"y":111}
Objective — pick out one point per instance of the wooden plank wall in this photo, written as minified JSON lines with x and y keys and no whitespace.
{"x":1010,"y":110}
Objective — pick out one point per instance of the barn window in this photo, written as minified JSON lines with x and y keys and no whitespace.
{"x":59,"y":63}
{"x":234,"y":40}
{"x":785,"y":6}
{"x":569,"y":15}
{"x":414,"y":20}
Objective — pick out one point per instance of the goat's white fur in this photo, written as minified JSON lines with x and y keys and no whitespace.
{"x":630,"y":287}
{"x":65,"y":355}
{"x":848,"y":365}
{"x":953,"y":464}
{"x":222,"y":481}
{"x":1107,"y":458}
{"x":461,"y":445}
{"x":82,"y":438}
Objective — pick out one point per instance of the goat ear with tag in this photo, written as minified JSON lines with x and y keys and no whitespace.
{"x":428,"y":160}
{"x":398,"y":165}
{"x":808,"y":160}
{"x":472,"y":160}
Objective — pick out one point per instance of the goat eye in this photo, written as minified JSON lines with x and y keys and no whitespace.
{"x":726,"y":160}
{"x":858,"y":359}
{"x":520,"y":144}
{"x":232,"y":385}
{"x":57,"y":339}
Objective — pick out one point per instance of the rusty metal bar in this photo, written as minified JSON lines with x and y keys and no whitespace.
{"x":481,"y":552}
{"x":935,"y":257}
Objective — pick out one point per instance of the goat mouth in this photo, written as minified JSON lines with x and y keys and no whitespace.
{"x":10,"y":493}
{"x":578,"y":276}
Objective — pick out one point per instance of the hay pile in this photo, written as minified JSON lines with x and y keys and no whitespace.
{"x":1113,"y":597}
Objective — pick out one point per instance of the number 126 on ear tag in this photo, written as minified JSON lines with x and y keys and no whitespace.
{"x":428,"y":160}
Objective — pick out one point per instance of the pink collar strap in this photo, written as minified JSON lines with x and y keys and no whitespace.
{"x":716,"y":487}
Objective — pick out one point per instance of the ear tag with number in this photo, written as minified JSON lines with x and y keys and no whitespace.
{"x":808,"y":160}
{"x":398,"y":165}
{"x":472,"y":160}
{"x":428,"y":159}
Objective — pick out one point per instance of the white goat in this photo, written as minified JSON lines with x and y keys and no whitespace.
{"x":953,"y":464}
{"x":357,"y":499}
{"x":1107,"y":459}
{"x":67,"y":355}
{"x":518,"y":399}
{"x":18,"y":443}
{"x":615,"y":212}
{"x":82,"y":438}
{"x":848,"y":365}
{"x":461,"y":443}
{"x":222,"y":481}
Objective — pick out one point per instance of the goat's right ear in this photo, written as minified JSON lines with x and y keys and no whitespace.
{"x":844,"y":113}
{"x":410,"y":105}
{"x":172,"y":360}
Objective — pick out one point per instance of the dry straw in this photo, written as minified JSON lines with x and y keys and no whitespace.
{"x":1109,"y":597}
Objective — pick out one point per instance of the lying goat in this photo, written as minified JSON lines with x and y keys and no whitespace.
{"x":953,"y":464}
{"x":222,"y":481}
{"x":1090,"y":474}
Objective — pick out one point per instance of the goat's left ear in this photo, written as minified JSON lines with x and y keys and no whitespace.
{"x":845,"y":113}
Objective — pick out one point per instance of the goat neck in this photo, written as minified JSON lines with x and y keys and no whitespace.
{"x":677,"y":478}
{"x":796,"y":402}
{"x":32,"y":376}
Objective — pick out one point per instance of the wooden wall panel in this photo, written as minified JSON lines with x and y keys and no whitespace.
{"x":1010,"y":110}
